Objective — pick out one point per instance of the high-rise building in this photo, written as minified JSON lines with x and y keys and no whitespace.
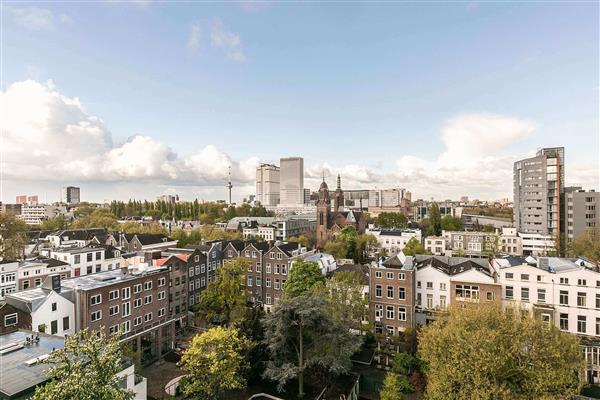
{"x":581,"y":211}
{"x":267,"y":184}
{"x":538,"y":187}
{"x":71,"y":195}
{"x":22,"y":199}
{"x":291,"y":187}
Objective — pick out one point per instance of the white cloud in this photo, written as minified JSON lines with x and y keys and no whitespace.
{"x":50,"y":137}
{"x":193,"y":42}
{"x":38,"y":19}
{"x":229,"y":42}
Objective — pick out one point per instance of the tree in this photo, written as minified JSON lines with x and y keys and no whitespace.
{"x":85,"y":369}
{"x":225,"y":298}
{"x":98,"y":218}
{"x":336,"y":249}
{"x":214,"y":363}
{"x":405,"y":363}
{"x":135,"y":227}
{"x":303,"y":277}
{"x":56,"y":223}
{"x":391,"y":220}
{"x":364,"y":243}
{"x":586,"y":245}
{"x":414,"y":247}
{"x":435,"y":220}
{"x":12,"y":237}
{"x":300,"y":335}
{"x":395,"y":387}
{"x":479,"y":351}
{"x":451,"y":223}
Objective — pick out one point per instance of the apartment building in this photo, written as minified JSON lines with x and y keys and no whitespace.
{"x":436,"y":245}
{"x":277,"y":263}
{"x":87,"y":260}
{"x":510,"y":242}
{"x":535,"y":244}
{"x":582,"y":212}
{"x":197,"y":274}
{"x":421,"y":209}
{"x":71,"y":195}
{"x":8,"y":277}
{"x":538,"y":186}
{"x":267,"y":185}
{"x":255,"y":252}
{"x":36,"y":213}
{"x":142,"y":242}
{"x":12,"y":319}
{"x":10,"y":209}
{"x":291,"y":183}
{"x":177,"y":290}
{"x":32,"y":272}
{"x":472,"y":244}
{"x":394,"y":240}
{"x":391,"y":294}
{"x":74,"y":237}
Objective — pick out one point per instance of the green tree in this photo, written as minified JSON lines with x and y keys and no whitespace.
{"x":586,"y":245}
{"x":300,"y":334}
{"x":12,"y":237}
{"x":345,"y":300}
{"x":451,"y":223}
{"x":481,"y":352}
{"x":98,"y":218}
{"x":337,"y":249}
{"x":364,"y":245}
{"x":225,"y":298}
{"x":56,"y":223}
{"x":303,"y":277}
{"x":134,"y":227}
{"x":414,"y":247}
{"x":405,"y":363}
{"x":395,"y":387}
{"x":85,"y":369}
{"x":391,"y":220}
{"x":214,"y":363}
{"x":435,"y":220}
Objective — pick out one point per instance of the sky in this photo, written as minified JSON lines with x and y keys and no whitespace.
{"x":142,"y":98}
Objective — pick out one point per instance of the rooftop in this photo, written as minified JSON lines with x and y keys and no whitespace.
{"x":18,"y":376}
{"x":101,"y":279}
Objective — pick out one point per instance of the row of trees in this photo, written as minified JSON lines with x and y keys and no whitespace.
{"x":349,"y":244}
{"x":433,"y":225}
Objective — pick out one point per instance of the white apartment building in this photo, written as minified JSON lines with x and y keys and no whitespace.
{"x":87,"y":260}
{"x":266,"y":232}
{"x":511,"y":242}
{"x":436,"y":245}
{"x":35,"y":214}
{"x":395,"y":240}
{"x":472,"y":243}
{"x":8,"y":278}
{"x":536,"y":244}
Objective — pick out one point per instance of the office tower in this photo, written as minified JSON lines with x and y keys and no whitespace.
{"x":291,"y":186}
{"x":581,"y":212}
{"x":21,"y":199}
{"x":267,"y":184}
{"x":538,"y":187}
{"x":71,"y":195}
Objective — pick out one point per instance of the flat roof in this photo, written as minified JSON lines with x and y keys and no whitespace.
{"x":18,"y":378}
{"x":107,"y":278}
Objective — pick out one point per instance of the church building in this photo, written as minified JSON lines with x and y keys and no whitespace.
{"x":331,"y":221}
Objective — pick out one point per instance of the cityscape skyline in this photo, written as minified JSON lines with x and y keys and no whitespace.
{"x":366,"y":102}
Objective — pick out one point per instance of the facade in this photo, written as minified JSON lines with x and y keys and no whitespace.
{"x":393,"y":240}
{"x":87,"y":260}
{"x":35,"y":214}
{"x":12,"y":318}
{"x":267,"y":185}
{"x":330,"y":223}
{"x":291,"y":187}
{"x":475,"y":222}
{"x":33,"y":272}
{"x":581,"y":210}
{"x":10,"y":209}
{"x":8,"y":278}
{"x":391,"y":295}
{"x":538,"y":187}
{"x":474,"y":244}
{"x":536,"y":244}
{"x":421,"y":209}
{"x":169,"y":198}
{"x":436,"y":245}
{"x":511,"y":242}
{"x":137,"y":242}
{"x":390,"y":200}
{"x":71,"y":195}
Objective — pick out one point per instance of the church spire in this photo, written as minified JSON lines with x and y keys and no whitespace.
{"x":339,"y":182}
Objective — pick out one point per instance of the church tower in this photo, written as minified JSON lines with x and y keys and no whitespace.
{"x":338,"y":197}
{"x":323,"y":214}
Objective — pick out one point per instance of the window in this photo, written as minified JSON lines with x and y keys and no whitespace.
{"x":268,"y":282}
{"x":203,"y":268}
{"x":581,"y":323}
{"x":268,"y":299}
{"x":378,"y":310}
{"x":89,"y":257}
{"x":581,"y":282}
{"x":53,"y":327}
{"x":148,"y":299}
{"x":77,"y":259}
{"x":390,"y":292}
{"x":598,"y":300}
{"x":148,"y":317}
{"x":137,"y":288}
{"x":419,"y":284}
{"x":98,"y":255}
{"x":126,"y":293}
{"x":378,"y":274}
{"x":53,"y":306}
{"x":401,"y":293}
{"x":467,"y":292}
{"x":378,"y":290}
{"x":429,"y":300}
{"x":113,"y":310}
{"x":524,"y":294}
{"x":539,"y":278}
{"x":389,"y":275}
{"x":137,"y":303}
{"x":581,"y":299}
{"x":524,"y":277}
{"x":442,"y":286}
{"x":564,"y":322}
{"x":490,"y":296}
{"x":162,"y":295}
{"x":125,"y":327}
{"x":95,"y":299}
{"x":597,"y":325}
{"x":389,"y":312}
{"x":161,"y":312}
{"x":203,"y":281}
{"x":11,"y":319}
{"x":258,"y":267}
{"x":430,"y":285}
{"x":283,"y":269}
{"x":442,"y":301}
{"x":65,"y":323}
{"x":564,"y":298}
{"x":96,"y":315}
{"x":126,"y":309}
{"x":401,"y":314}
{"x":546,"y":319}
{"x":401,"y":276}
{"x":113,"y":294}
{"x":137,"y":321}
{"x":541,"y":295}
{"x":564,"y":281}
{"x":249,"y":283}
{"x":276,"y":284}
{"x":197,"y":258}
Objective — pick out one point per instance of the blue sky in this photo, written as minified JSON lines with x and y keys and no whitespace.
{"x":382,"y":93}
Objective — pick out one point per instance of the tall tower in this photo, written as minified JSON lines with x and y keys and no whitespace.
{"x":323,"y":214}
{"x":229,"y":185}
{"x":338,"y":197}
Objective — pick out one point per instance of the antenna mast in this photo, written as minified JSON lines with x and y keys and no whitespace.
{"x":229,"y":185}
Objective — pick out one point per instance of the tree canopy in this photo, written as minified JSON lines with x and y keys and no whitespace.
{"x":225,"y":298}
{"x":391,"y":220}
{"x":435,"y":220}
{"x":349,"y":244}
{"x":300,"y":334}
{"x":215,"y":362}
{"x":303,"y":277}
{"x":586,"y":245}
{"x":85,"y":369}
{"x":12,"y":237}
{"x":451,"y":223}
{"x":414,"y":247}
{"x":482,"y":352}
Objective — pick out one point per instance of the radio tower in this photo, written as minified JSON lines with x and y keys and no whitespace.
{"x":229,"y":185}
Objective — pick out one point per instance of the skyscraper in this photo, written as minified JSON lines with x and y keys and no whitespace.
{"x":267,"y":184}
{"x":538,"y":187}
{"x":291,"y":187}
{"x":71,"y":195}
